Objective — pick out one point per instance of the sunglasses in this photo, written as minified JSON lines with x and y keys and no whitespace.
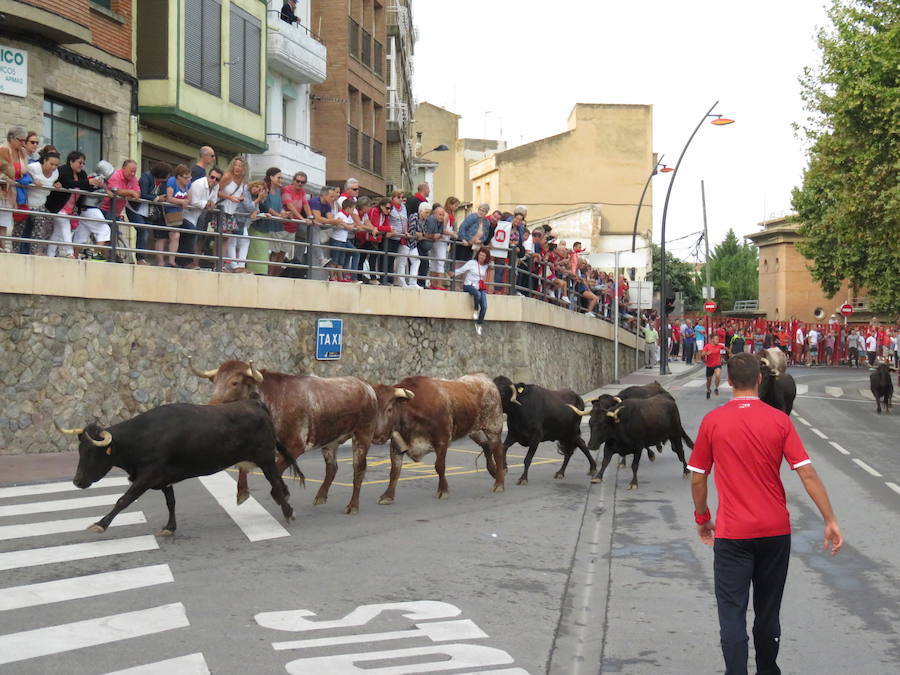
{"x":216,"y":178}
{"x":300,"y":182}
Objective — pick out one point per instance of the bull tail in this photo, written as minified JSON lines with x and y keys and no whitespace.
{"x":687,"y":439}
{"x":291,"y":462}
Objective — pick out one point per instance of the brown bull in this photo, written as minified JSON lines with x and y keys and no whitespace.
{"x":438,"y":412}
{"x":309,"y":412}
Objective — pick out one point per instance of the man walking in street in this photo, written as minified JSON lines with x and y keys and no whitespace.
{"x":650,"y":338}
{"x":746,"y":441}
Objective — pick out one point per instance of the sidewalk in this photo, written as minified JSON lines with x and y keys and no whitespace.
{"x":678,"y":371}
{"x":23,"y":469}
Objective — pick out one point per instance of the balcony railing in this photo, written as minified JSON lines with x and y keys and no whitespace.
{"x":746,"y":305}
{"x":295,"y":52}
{"x":364,"y":151}
{"x":294,"y":26}
{"x":376,"y":157}
{"x":294,"y":141}
{"x":352,"y":145}
{"x":365,"y":48}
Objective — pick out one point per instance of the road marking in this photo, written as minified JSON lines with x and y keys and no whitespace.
{"x":803,"y":421}
{"x":802,"y":388}
{"x":894,"y":487}
{"x":839,"y":448}
{"x":462,"y":657}
{"x":96,"y":549}
{"x":843,"y":399}
{"x":61,"y":486}
{"x":818,"y":433}
{"x":74,"y":588}
{"x":57,"y":505}
{"x":253,"y":519}
{"x":436,"y":631}
{"x":695,"y":383}
{"x":192,"y":664}
{"x":794,"y":413}
{"x":865,"y":393}
{"x":80,"y":634}
{"x":68,"y":525}
{"x":865,"y":467}
{"x":834,"y":391}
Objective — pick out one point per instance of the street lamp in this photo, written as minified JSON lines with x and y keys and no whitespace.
{"x":656,"y":169}
{"x":441,"y":148}
{"x":664,"y":353}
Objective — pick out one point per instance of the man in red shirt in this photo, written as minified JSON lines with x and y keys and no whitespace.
{"x":746,"y":440}
{"x":712,"y":354}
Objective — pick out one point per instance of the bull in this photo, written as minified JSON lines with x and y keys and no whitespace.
{"x":882,"y":387}
{"x":535,"y":414}
{"x":432,"y":413}
{"x":168,"y":444}
{"x":774,"y":359}
{"x":309,"y":412}
{"x":779,"y":391}
{"x":628,"y":426}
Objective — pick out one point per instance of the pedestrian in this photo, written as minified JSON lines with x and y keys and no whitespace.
{"x":202,"y":196}
{"x":745,"y":440}
{"x":812,"y":341}
{"x":44,"y":174}
{"x":151,"y":185}
{"x":688,"y":341}
{"x":871,"y":347}
{"x":176,"y":198}
{"x":13,"y":166}
{"x":206,"y":158}
{"x":475,"y":284}
{"x":650,"y":338}
{"x":712,"y":354}
{"x":233,"y":202}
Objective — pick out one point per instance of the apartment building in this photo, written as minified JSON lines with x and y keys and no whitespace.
{"x":202,"y":69}
{"x":296,"y":59}
{"x":68,"y":73}
{"x":348,"y":108}
{"x":401,"y":37}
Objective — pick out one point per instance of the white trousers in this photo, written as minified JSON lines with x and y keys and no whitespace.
{"x":236,"y":250}
{"x":98,"y":227}
{"x":405,"y":265}
{"x":62,"y":231}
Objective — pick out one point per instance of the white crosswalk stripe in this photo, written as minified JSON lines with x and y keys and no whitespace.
{"x":67,"y":525}
{"x":192,"y":664}
{"x":60,"y":486}
{"x":254,"y":521}
{"x":57,"y":505}
{"x":802,"y":389}
{"x":866,"y":393}
{"x":834,"y":391}
{"x":68,"y":552}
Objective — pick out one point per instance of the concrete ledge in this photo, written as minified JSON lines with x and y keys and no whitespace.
{"x":24,"y":274}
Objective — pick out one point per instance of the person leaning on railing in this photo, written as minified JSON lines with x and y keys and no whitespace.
{"x":231,"y":197}
{"x":176,"y":199}
{"x":151,"y":185}
{"x":44,"y":175}
{"x":407,"y":265}
{"x":13,"y":163}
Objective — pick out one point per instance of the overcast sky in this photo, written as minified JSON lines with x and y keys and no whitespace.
{"x":520,"y":65}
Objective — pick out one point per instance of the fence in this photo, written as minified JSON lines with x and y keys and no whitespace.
{"x":311,"y":257}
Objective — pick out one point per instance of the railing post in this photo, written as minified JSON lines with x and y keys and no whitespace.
{"x":311,"y":231}
{"x":113,"y":228}
{"x":220,"y":241}
{"x":513,"y":270}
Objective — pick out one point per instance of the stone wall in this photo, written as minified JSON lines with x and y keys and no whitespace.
{"x":75,"y":359}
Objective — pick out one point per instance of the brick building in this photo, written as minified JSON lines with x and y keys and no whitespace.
{"x":348,"y":111}
{"x":398,"y":164}
{"x":71,"y":75}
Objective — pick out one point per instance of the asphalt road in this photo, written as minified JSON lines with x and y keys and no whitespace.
{"x":556,"y":576}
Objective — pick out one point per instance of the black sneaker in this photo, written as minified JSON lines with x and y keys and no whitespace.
{"x":707,"y":393}
{"x":717,"y":391}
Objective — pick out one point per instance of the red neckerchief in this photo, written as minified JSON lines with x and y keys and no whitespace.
{"x":420,"y":197}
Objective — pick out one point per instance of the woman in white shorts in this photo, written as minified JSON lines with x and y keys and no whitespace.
{"x":90,"y":208}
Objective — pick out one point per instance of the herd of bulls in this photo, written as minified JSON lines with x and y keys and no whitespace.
{"x":267,"y":419}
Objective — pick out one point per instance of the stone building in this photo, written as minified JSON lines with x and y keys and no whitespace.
{"x":295,"y":60}
{"x":786,"y":289}
{"x":401,"y":36}
{"x":201,"y":65}
{"x":68,"y":73}
{"x":348,"y":112}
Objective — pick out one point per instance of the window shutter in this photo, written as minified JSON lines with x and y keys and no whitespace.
{"x":246,"y":40}
{"x":193,"y":39}
{"x":236,"y":58}
{"x":212,"y":47}
{"x":252,"y":45}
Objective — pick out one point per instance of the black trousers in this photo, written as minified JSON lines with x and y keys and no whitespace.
{"x":762,"y":562}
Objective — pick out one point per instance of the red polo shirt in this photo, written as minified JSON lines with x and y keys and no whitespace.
{"x":746,"y":439}
{"x":712,"y":354}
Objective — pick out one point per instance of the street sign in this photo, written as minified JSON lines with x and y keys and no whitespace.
{"x":709,"y":306}
{"x":846,"y":309}
{"x":329,"y":339}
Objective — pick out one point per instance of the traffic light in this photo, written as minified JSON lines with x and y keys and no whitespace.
{"x":670,"y":304}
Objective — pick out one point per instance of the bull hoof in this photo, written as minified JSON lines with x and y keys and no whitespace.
{"x":319,"y":501}
{"x":165,"y":532}
{"x":442,"y":495}
{"x":685,"y":473}
{"x":632,"y":486}
{"x":524,"y":481}
{"x":622,"y":463}
{"x":242,"y":497}
{"x":350,"y":510}
{"x":96,"y":527}
{"x":386,"y":501}
{"x":651,"y":456}
{"x":596,"y":480}
{"x":559,"y":474}
{"x":502,"y":488}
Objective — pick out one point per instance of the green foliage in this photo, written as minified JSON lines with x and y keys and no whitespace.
{"x":849,"y":202}
{"x":680,"y":276}
{"x":733,"y":271}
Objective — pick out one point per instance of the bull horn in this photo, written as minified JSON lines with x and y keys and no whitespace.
{"x":254,"y":373}
{"x":614,"y":414}
{"x":581,"y":413}
{"x":593,"y":400}
{"x":403,"y":393}
{"x":105,"y":439}
{"x":617,"y":399}
{"x":71,"y":432}
{"x":208,"y":374}
{"x":515,"y":395}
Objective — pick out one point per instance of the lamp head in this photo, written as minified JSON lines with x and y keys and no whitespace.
{"x":721,"y":121}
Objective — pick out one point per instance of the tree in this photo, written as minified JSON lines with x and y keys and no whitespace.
{"x":733,"y":271}
{"x":849,"y":201}
{"x":680,"y":277}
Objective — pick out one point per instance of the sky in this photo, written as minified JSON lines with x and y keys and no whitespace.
{"x":515,"y":68}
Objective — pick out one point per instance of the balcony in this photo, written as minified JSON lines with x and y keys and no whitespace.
{"x":398,"y":117}
{"x":48,"y":23}
{"x":294,"y":52}
{"x":290,"y":156}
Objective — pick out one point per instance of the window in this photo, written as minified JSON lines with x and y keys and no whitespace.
{"x":366,"y":48}
{"x":352,"y":145}
{"x":378,"y":58}
{"x":202,"y":45}
{"x":376,"y":157}
{"x":105,"y":4}
{"x":152,"y":43}
{"x":70,"y":127}
{"x":353,"y":37}
{"x":244,"y":60}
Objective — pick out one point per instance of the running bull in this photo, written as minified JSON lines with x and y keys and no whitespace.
{"x":168,"y":444}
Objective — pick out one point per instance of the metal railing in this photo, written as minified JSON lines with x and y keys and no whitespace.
{"x":294,"y":141}
{"x":746,"y":305}
{"x":281,"y":24}
{"x":381,"y":260}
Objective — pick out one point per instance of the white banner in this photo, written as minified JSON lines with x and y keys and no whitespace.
{"x":13,"y":71}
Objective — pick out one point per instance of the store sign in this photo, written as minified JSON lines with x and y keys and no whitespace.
{"x":13,"y":71}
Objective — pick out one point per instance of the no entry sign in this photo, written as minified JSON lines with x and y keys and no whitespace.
{"x":846,"y":309}
{"x":709,"y":306}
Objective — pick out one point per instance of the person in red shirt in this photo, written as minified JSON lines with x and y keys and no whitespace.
{"x":746,"y":440}
{"x":712,"y":354}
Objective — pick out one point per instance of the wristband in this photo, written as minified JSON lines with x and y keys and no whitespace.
{"x":701,"y":519}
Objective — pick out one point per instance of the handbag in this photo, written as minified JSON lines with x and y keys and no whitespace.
{"x":425,"y":246}
{"x":174,"y":218}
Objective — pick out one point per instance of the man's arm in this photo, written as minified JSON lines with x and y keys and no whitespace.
{"x":700,"y":491}
{"x":816,"y":490}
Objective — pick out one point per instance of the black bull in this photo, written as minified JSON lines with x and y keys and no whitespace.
{"x":535,"y":414}
{"x":627,"y":427}
{"x":173,"y":442}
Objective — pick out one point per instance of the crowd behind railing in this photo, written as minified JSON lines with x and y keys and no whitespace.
{"x":207,"y":218}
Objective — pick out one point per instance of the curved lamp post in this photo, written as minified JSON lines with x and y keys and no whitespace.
{"x":656,"y":169}
{"x":441,"y":148}
{"x":664,"y":353}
